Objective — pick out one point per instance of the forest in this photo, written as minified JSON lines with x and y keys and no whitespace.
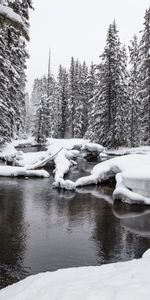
{"x":108,"y":103}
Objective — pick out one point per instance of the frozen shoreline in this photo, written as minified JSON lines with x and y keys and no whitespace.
{"x":130,"y":170}
{"x":116,"y":281}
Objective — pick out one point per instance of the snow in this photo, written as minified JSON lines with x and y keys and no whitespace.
{"x":68,"y":144}
{"x":30,"y":141}
{"x":127,"y":150}
{"x":133,"y":180}
{"x":9,"y":171}
{"x":92,"y":147}
{"x":133,"y":174}
{"x":116,"y":281}
{"x":65,"y":159}
{"x":9,"y":151}
{"x":30,"y":158}
{"x":138,"y":179}
{"x":123,"y":193}
{"x":8,"y":13}
{"x":61,"y":151}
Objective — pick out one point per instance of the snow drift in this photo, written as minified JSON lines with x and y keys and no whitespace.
{"x":133,"y":180}
{"x":117,"y":281}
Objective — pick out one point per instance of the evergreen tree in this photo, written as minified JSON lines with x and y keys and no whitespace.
{"x":40,"y":125}
{"x":83,"y":89}
{"x":12,"y":83}
{"x":111,"y":96}
{"x":62,"y":101}
{"x":71,"y":98}
{"x":92,"y":90}
{"x":144,"y":78}
{"x":135,"y":107}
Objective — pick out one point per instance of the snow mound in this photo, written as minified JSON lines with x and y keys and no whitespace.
{"x":133,"y":182}
{"x":9,"y":171}
{"x":127,"y":150}
{"x":117,"y":281}
{"x":121,"y":192}
{"x":109,"y":168}
{"x":93,"y":147}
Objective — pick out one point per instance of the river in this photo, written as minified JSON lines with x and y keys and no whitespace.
{"x":44,"y":229}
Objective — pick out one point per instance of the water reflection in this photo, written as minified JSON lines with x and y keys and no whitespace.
{"x":43,"y":229}
{"x":135,"y":218}
{"x":12,"y":232}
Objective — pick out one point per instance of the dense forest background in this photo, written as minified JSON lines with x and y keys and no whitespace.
{"x":108,"y":103}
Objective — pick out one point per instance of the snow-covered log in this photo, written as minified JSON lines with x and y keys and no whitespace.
{"x":8,"y":171}
{"x":63,"y":163}
{"x":7,"y":15}
{"x":43,"y":162}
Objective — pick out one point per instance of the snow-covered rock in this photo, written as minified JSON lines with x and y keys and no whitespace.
{"x":117,"y":281}
{"x":93,"y":147}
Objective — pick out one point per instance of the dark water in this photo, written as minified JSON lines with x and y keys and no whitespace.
{"x":31,"y":149}
{"x":43,"y":229}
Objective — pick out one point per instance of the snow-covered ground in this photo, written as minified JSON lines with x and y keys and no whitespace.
{"x":127,"y":150}
{"x":117,"y":281}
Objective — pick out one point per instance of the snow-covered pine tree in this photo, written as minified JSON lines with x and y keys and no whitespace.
{"x":18,"y":58}
{"x":5,"y":128}
{"x":83,"y":90}
{"x":28,"y":115}
{"x":78,"y":103}
{"x":144,"y":79}
{"x":13,"y":59}
{"x":40,"y":125}
{"x":53,"y":110}
{"x":71,"y":99}
{"x":62,"y":101}
{"x":111,"y":97}
{"x":91,"y":87}
{"x":135,"y":105}
{"x":122,"y":101}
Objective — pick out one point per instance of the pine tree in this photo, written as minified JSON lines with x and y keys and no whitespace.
{"x":110,"y":101}
{"x":92,"y":85}
{"x":83,"y":90}
{"x":12,"y":84}
{"x":40,"y":124}
{"x":144,"y":78}
{"x":135,"y":107}
{"x":62,"y":101}
{"x":78,"y":104}
{"x":71,"y":98}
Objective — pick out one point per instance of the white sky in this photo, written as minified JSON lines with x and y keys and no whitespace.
{"x":77,"y":28}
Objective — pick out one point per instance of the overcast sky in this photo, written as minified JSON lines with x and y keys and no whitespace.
{"x":77,"y":28}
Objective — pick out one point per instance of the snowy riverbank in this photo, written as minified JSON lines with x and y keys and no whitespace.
{"x":131,"y":170}
{"x":117,"y":281}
